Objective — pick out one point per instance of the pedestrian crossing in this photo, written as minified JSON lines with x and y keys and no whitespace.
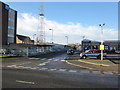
{"x":51,"y":59}
{"x":58,"y":70}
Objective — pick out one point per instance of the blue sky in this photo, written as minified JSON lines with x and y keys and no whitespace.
{"x":86,"y":14}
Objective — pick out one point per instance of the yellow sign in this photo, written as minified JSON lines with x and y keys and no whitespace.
{"x":101,"y":47}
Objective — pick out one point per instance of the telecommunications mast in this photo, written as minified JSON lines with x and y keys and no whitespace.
{"x":41,"y":27}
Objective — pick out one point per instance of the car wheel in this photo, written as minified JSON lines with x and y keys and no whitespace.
{"x":84,"y":57}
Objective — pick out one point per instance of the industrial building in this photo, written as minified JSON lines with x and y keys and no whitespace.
{"x":110,"y":45}
{"x":8,"y":25}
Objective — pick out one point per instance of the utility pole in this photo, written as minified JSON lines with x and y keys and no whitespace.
{"x":67,"y":39}
{"x":52,"y":34}
{"x":101,"y":46}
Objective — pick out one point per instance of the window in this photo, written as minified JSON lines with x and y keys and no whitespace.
{"x":11,"y":19}
{"x":10,"y":35}
{"x":7,"y":7}
{"x":11,"y":27}
{"x":11,"y":11}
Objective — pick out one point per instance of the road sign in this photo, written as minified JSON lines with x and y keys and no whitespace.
{"x":101,"y":47}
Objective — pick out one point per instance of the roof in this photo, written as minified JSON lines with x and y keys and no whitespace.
{"x":21,"y":37}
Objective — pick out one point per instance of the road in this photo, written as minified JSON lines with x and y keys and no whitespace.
{"x":52,"y":72}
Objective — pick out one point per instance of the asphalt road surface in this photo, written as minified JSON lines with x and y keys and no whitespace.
{"x":52,"y":72}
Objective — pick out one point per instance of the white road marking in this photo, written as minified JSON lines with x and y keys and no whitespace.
{"x":96,"y":72}
{"x":34,"y":58}
{"x":49,"y":59}
{"x":55,"y":60}
{"x":62,"y":60}
{"x":26,"y":67}
{"x":108,"y":73}
{"x":10,"y":66}
{"x":33,"y":68}
{"x":25,"y":82}
{"x":43,"y":59}
{"x":72,"y":71}
{"x":84,"y":71}
{"x":43,"y":69}
{"x":42,"y":64}
{"x":62,"y":69}
{"x":52,"y":69}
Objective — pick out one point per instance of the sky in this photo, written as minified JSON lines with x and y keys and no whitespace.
{"x":72,"y":19}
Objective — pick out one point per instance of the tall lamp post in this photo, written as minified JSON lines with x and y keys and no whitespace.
{"x":52,"y":34}
{"x":67,"y":39}
{"x":101,"y":25}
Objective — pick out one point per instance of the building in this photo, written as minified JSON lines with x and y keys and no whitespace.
{"x":109,"y":45}
{"x":8,"y":25}
{"x":20,"y":39}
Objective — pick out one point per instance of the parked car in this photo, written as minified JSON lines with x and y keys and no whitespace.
{"x":117,"y":51}
{"x":92,"y":53}
{"x":70,"y":52}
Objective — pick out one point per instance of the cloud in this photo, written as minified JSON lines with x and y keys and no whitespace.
{"x":28,"y":25}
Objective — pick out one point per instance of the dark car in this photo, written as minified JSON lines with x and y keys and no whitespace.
{"x":70,"y":52}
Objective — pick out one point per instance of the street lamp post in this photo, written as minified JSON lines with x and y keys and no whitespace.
{"x":52,"y":34}
{"x":101,"y":25}
{"x":67,"y":39}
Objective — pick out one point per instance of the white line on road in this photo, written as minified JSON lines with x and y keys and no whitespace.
{"x":25,"y":82}
{"x":72,"y":71}
{"x":35,"y":58}
{"x":52,"y":69}
{"x":62,"y":60}
{"x":33,"y":68}
{"x":43,"y":69}
{"x":55,"y":60}
{"x":62,"y":69}
{"x":43,"y":59}
{"x":26,"y":67}
{"x":42,"y":64}
{"x":49,"y":59}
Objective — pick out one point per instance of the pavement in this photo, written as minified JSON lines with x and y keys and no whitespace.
{"x":107,"y":65}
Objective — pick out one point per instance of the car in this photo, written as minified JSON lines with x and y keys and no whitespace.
{"x":92,"y":53}
{"x":70,"y":52}
{"x":117,"y":51}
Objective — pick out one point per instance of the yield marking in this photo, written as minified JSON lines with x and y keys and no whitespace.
{"x":72,"y":71}
{"x":43,"y":69}
{"x":55,"y":60}
{"x":42,"y":64}
{"x":62,"y":60}
{"x":25,"y":82}
{"x":96,"y":72}
{"x":62,"y":69}
{"x":49,"y":59}
{"x":84,"y":71}
{"x":52,"y":69}
{"x":43,"y":59}
{"x":107,"y":72}
{"x":27,"y":67}
{"x":33,"y":68}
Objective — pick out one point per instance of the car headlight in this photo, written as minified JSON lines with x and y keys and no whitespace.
{"x":81,"y":55}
